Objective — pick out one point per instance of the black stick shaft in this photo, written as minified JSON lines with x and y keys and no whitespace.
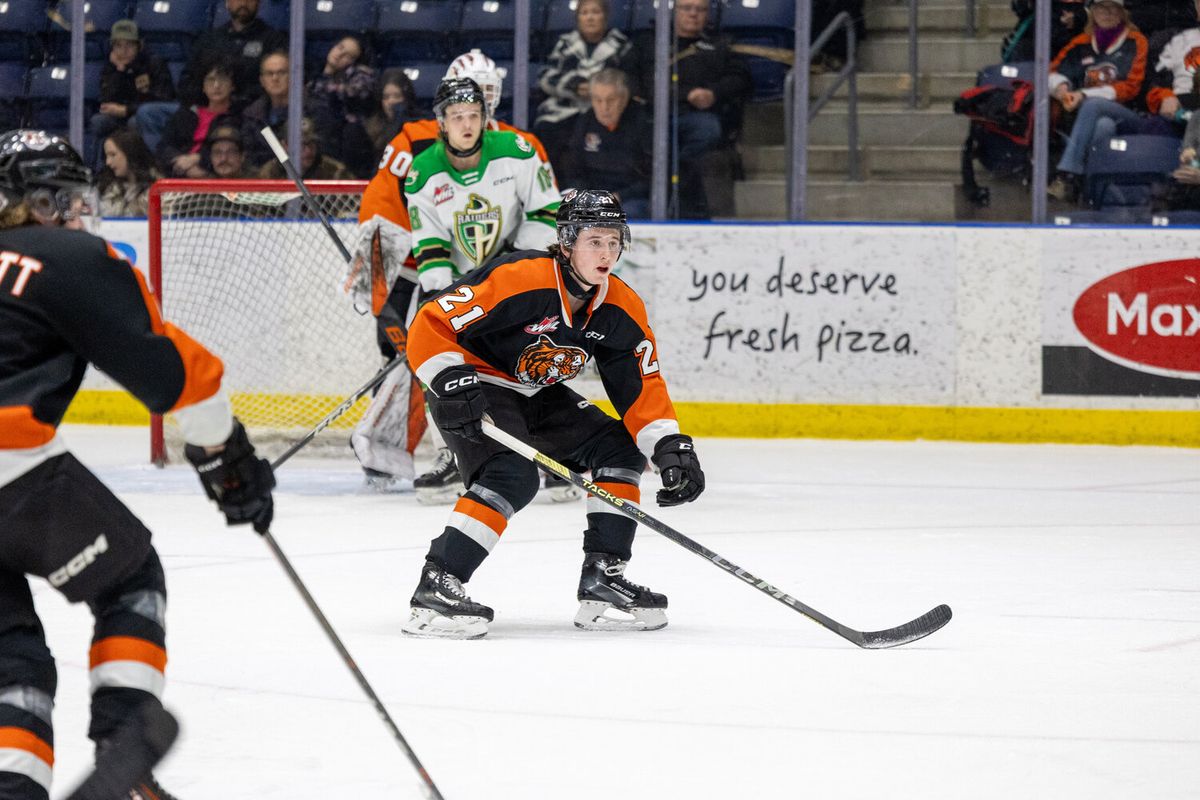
{"x":430,"y":787}
{"x":910,"y":631}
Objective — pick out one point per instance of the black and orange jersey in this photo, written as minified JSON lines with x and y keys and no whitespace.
{"x":384,"y":195}
{"x":67,"y":300}
{"x":512,"y":321}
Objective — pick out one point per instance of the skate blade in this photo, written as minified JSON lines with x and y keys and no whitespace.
{"x":595,"y":615}
{"x":439,"y":496}
{"x":426,"y":623}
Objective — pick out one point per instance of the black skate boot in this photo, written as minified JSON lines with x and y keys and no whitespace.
{"x":124,"y":761}
{"x":443,"y":483}
{"x":441,"y":608}
{"x":609,"y":602}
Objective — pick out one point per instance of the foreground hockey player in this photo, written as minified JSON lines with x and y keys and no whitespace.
{"x":390,"y":430}
{"x":502,"y":342}
{"x":67,"y":300}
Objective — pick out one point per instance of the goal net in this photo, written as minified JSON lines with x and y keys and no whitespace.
{"x":246,"y":268}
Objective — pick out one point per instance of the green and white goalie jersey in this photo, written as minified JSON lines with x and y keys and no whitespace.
{"x":462,"y":220}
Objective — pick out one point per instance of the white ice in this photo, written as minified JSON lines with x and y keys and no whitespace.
{"x":1071,"y":668}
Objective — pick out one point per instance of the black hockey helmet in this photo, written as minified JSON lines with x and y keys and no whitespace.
{"x":589,"y":208}
{"x":458,"y":90}
{"x":45,"y":172}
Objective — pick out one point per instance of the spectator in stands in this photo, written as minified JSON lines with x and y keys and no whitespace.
{"x":1098,"y":75}
{"x":272,"y":110}
{"x":345,"y":93}
{"x":1174,"y":74}
{"x":711,"y":87}
{"x":128,"y":171}
{"x":129,"y":78}
{"x":179,"y":153}
{"x":241,"y":42}
{"x":577,"y":56}
{"x":1067,"y":19}
{"x":314,"y":165}
{"x":224,"y":152}
{"x":610,"y":147}
{"x":397,"y":105}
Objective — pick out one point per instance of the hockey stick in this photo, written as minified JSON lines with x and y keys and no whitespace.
{"x":918,"y":628}
{"x":430,"y":787}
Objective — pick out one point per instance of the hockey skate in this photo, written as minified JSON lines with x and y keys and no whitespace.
{"x":123,"y":762}
{"x":560,"y":490}
{"x":443,"y":483}
{"x":442,"y":610}
{"x":609,"y":602}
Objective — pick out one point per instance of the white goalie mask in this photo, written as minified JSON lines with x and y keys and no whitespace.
{"x":481,"y":69}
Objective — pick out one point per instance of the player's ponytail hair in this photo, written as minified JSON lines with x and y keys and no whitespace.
{"x":14,"y":216}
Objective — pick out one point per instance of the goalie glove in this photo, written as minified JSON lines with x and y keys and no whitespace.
{"x":682,"y":478}
{"x":236,"y":480}
{"x":378,"y":261}
{"x":457,"y":402}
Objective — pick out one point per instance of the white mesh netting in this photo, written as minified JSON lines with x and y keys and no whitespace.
{"x":254,"y":276}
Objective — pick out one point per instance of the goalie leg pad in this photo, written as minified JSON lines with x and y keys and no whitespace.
{"x":384,"y":438}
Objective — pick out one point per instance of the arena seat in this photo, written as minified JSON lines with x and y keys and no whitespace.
{"x":168,"y":27}
{"x":416,"y":30}
{"x":488,"y":25}
{"x":22,"y":24}
{"x":1122,"y":171}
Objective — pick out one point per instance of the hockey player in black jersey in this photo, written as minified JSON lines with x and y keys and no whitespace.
{"x":503,"y":341}
{"x":67,"y":300}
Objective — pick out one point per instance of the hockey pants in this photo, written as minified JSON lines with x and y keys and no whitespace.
{"x":58,"y":522}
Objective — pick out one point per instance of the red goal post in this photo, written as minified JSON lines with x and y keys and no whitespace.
{"x":245,"y":267}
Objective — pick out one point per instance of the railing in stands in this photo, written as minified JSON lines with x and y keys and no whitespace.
{"x":970,"y":28}
{"x":848,"y":75}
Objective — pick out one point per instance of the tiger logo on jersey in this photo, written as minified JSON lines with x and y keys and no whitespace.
{"x":477,"y":229}
{"x":1191,"y":62}
{"x":544,"y":363}
{"x":1104,"y":74}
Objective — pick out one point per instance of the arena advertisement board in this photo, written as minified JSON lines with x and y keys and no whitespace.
{"x":1121,"y":314}
{"x":838,"y":314}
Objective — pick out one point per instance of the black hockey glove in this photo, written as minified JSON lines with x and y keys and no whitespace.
{"x":238,"y":481}
{"x":457,"y":402}
{"x":682,"y":478}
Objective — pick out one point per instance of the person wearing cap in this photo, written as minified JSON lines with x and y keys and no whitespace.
{"x":1098,"y":75}
{"x":225,"y":153}
{"x":129,"y":78}
{"x":314,"y":165}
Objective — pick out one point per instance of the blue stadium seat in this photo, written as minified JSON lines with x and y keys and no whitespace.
{"x":1004,"y":74}
{"x":13,"y":76}
{"x":644,"y":12}
{"x":331,"y":17}
{"x":1177,"y":219}
{"x":416,"y":30}
{"x":488,"y":25}
{"x":169,"y":26}
{"x":22,"y":23}
{"x":768,"y":23}
{"x":1133,"y":215}
{"x":1122,"y":171}
{"x":276,"y":13}
{"x":49,"y":94}
{"x":425,"y":75}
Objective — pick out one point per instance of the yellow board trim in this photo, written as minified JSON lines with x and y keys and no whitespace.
{"x":748,"y":420}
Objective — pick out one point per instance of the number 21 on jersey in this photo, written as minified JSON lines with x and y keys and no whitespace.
{"x":451,"y":301}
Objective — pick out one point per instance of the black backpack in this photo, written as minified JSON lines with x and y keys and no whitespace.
{"x":1001,"y":116}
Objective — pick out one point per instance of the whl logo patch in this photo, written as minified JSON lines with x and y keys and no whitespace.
{"x":545,"y":326}
{"x":1146,"y":318}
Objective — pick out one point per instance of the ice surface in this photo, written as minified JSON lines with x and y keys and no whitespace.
{"x":1071,"y":668}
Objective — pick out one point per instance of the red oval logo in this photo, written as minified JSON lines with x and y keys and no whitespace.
{"x":1147,"y":317}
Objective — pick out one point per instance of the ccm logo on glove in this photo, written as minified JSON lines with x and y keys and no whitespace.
{"x":459,"y":383}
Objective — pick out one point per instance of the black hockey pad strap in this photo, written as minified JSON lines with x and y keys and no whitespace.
{"x":457,"y":402}
{"x":679,"y":468}
{"x":236,"y":480}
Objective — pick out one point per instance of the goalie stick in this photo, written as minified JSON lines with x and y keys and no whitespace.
{"x":918,"y":628}
{"x":429,"y":787}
